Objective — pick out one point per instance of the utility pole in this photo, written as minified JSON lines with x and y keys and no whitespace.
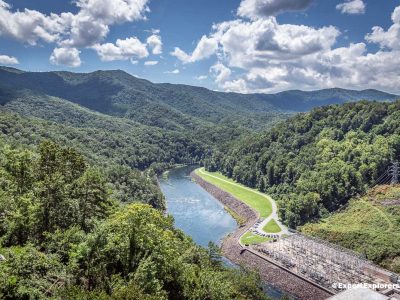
{"x":394,"y":172}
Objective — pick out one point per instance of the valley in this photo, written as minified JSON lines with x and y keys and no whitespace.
{"x":107,"y":136}
{"x":200,"y":150}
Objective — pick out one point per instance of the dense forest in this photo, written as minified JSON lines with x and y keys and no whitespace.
{"x":102,"y":139}
{"x":170,"y":106}
{"x":82,"y":217}
{"x":315,"y":162}
{"x":66,"y":233}
{"x":114,"y":118}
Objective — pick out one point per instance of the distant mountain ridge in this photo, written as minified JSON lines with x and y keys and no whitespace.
{"x":121,"y":94}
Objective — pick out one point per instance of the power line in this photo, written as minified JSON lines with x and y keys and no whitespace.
{"x":382,"y":179}
{"x":390,"y":176}
{"x":394,"y":172}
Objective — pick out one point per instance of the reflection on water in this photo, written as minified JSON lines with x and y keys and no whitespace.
{"x":199,"y":214}
{"x":195,"y":211}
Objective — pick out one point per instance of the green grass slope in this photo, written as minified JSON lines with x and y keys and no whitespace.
{"x":251,"y":197}
{"x":369,"y":225}
{"x":272,"y":227}
{"x":252,"y":239}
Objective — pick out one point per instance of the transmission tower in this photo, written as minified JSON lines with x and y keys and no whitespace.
{"x":394,"y":172}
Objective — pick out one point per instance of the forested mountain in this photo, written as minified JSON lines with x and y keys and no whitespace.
{"x":64,"y":235}
{"x":111,"y":116}
{"x":81,"y":216}
{"x":171,"y":106}
{"x":69,"y":175}
{"x":102,"y":138}
{"x":117,"y":93}
{"x":315,"y":162}
{"x":301,"y":101}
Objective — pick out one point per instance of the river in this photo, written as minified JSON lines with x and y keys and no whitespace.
{"x":199,"y":214}
{"x":195,"y":211}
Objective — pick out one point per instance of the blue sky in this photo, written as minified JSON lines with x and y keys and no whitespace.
{"x":242,"y":46}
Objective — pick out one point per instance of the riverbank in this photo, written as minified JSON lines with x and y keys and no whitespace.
{"x":268,"y":226}
{"x":259,"y":202}
{"x":232,"y":249}
{"x":186,"y":201}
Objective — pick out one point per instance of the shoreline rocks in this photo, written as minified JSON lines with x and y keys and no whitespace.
{"x":231,"y":248}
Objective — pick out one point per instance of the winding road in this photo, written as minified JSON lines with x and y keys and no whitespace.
{"x":232,"y":248}
{"x":274,"y":212}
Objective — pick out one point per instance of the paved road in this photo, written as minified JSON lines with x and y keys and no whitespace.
{"x":273,"y":215}
{"x":235,"y":251}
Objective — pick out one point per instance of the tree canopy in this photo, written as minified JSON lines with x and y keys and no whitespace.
{"x":315,"y":162}
{"x":71,"y":230}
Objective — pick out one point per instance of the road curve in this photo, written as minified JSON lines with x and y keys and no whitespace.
{"x":273,"y":215}
{"x":283,"y":280}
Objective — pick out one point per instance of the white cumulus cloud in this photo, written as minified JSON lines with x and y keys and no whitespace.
{"x":201,"y":77}
{"x":176,"y":71}
{"x":262,"y":55}
{"x":88,"y":27}
{"x":129,"y":48}
{"x":91,"y":24}
{"x":66,"y":56}
{"x":352,"y":7}
{"x":206,"y":47}
{"x":390,"y":38}
{"x":246,"y":44}
{"x":221,"y":72}
{"x":155,"y":44}
{"x":30,"y":26}
{"x":8,"y":60}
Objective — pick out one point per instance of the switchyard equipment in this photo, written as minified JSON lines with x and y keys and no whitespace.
{"x":323,"y":262}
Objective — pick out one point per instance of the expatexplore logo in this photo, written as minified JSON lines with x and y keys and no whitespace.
{"x":374,"y":286}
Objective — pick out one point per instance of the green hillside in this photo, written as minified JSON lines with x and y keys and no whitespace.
{"x":315,"y":162}
{"x":173,"y":106}
{"x":81,"y":215}
{"x":369,"y":225}
{"x":63,"y":235}
{"x":101,"y":137}
{"x":119,"y":94}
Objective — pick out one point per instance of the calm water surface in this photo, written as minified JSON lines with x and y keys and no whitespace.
{"x":199,"y":214}
{"x":195,"y":211}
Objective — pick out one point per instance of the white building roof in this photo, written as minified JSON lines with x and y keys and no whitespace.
{"x":359,"y":293}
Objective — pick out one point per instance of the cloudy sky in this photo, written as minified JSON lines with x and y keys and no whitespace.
{"x":231,"y":45}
